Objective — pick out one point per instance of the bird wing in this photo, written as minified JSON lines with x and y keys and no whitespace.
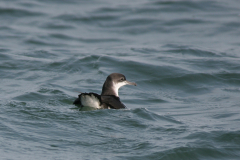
{"x":105,"y":101}
{"x":90,"y":95}
{"x":77,"y":101}
{"x":113,"y":102}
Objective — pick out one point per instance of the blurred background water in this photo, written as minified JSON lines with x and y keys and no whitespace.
{"x":184,"y":55}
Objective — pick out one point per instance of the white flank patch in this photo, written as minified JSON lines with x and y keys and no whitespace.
{"x":90,"y":101}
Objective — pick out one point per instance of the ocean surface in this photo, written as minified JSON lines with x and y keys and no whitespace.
{"x":184,"y":56}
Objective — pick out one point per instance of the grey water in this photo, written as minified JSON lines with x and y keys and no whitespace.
{"x":184,"y":56}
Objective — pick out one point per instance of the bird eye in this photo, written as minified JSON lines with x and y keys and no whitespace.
{"x":122,"y":79}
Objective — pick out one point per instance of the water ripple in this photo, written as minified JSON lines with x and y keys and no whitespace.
{"x":14,"y":12}
{"x":184,"y":56}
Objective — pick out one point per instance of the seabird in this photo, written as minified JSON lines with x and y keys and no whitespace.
{"x":109,"y":97}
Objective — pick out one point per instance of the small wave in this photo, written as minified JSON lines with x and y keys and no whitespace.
{"x":186,"y":50}
{"x":148,"y":115}
{"x":58,"y":26}
{"x":14,"y":12}
{"x":94,"y":19}
{"x":4,"y":56}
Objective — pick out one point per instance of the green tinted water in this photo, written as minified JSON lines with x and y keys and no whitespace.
{"x":184,"y":56}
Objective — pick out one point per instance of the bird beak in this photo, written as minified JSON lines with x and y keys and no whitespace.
{"x":131,"y":83}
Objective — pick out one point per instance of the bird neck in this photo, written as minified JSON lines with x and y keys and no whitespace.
{"x":109,"y":89}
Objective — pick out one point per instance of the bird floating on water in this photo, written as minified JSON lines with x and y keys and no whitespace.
{"x":109,"y":97}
